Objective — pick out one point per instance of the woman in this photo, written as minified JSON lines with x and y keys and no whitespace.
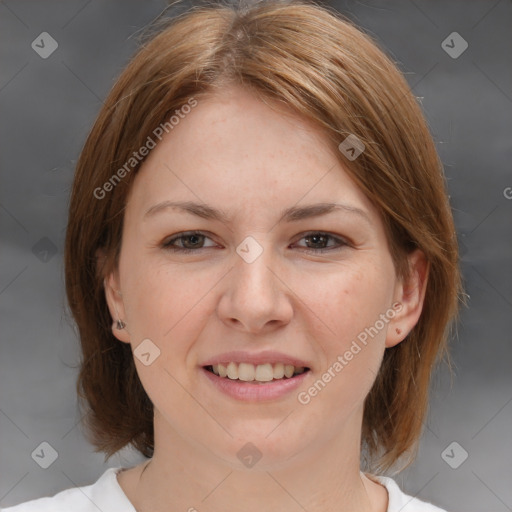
{"x":262,"y":265}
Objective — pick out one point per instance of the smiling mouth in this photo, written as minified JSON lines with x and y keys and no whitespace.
{"x":261,"y":373}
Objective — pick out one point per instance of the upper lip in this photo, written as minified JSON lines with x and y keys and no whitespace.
{"x":256,"y":358}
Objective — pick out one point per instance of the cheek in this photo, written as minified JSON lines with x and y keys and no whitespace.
{"x":166,"y":304}
{"x":355,"y":309}
{"x":164,"y":307}
{"x":350,"y":299}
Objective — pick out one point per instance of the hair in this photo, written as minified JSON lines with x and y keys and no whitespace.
{"x":311,"y":59}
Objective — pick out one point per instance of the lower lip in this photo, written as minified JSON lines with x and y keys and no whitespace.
{"x":251,"y":392}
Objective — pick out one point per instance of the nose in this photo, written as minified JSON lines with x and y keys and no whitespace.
{"x":256,"y":297}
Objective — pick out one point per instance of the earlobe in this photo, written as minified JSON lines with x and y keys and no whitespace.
{"x":115,"y":304}
{"x":410,"y":293}
{"x":114,"y":299}
{"x":120,"y":325}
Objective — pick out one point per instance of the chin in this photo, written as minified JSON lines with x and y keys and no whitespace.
{"x":266,"y":448}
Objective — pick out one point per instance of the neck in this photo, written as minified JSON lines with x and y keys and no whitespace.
{"x":189,"y":477}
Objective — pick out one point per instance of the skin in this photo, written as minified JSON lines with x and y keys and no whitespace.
{"x":239,"y":154}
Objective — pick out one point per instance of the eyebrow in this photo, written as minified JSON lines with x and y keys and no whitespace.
{"x":292,"y":214}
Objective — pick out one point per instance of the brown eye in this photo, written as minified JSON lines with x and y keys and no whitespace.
{"x":319,"y":242}
{"x":186,"y":242}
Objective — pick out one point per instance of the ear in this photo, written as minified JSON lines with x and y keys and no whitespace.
{"x":410,"y":293}
{"x":114,"y":298}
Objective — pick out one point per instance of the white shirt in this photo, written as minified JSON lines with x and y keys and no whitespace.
{"x":107,"y":495}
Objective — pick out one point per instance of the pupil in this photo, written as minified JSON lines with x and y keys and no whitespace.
{"x":192,"y":237}
{"x":315,"y":238}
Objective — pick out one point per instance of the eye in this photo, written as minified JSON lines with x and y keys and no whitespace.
{"x":320,"y":240}
{"x":190,"y":241}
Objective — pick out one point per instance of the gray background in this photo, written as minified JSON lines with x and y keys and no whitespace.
{"x":48,"y":106}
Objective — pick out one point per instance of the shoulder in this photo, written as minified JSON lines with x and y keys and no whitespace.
{"x":401,"y":502}
{"x":105,"y":495}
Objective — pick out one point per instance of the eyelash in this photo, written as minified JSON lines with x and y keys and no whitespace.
{"x":169,"y":247}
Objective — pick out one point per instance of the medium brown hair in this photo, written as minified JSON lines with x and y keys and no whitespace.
{"x":309,"y":58}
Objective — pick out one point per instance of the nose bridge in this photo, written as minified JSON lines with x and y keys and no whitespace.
{"x":253,"y":296}
{"x":252,"y":274}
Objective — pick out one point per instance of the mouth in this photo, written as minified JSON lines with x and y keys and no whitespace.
{"x":265,"y":376}
{"x":256,"y":374}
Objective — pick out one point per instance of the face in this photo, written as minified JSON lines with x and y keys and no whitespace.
{"x":263,"y":284}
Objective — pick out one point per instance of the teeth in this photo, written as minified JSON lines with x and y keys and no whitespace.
{"x":232,"y":371}
{"x":247,"y":371}
{"x":278,"y":371}
{"x":261,"y":373}
{"x":264,"y":372}
{"x":288,"y":370}
{"x":222,"y":371}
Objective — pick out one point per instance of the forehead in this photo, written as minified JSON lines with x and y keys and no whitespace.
{"x":234,"y":149}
